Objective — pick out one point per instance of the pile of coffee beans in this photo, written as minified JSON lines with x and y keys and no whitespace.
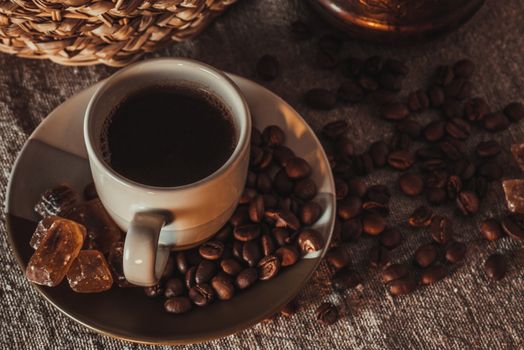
{"x":432,"y":159}
{"x":269,"y":230}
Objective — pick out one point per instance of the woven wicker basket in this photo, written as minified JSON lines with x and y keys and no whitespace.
{"x":112,"y":32}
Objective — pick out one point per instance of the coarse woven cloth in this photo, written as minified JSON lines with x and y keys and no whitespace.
{"x":462,"y":312}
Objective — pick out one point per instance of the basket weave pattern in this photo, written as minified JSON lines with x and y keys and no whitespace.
{"x":112,"y":32}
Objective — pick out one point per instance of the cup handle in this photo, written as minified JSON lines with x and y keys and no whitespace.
{"x":144,"y":259}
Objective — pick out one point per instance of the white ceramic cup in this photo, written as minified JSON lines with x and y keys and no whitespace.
{"x":159,"y":219}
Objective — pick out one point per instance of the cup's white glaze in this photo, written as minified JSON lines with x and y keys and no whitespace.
{"x":198,"y":209}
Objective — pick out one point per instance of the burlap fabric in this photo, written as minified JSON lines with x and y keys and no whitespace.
{"x":462,"y":312}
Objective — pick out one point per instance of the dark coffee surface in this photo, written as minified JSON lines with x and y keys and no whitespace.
{"x":169,"y":136}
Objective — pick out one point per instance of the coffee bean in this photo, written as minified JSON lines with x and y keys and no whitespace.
{"x":441,"y":229}
{"x":363,"y":164}
{"x":411,"y":184}
{"x":181,"y":262}
{"x":154,"y":291}
{"x":409,"y":127}
{"x":247,"y":195}
{"x":465,"y":168}
{"x":453,"y":149}
{"x":266,"y":161}
{"x":495,"y":267}
{"x":402,"y":286}
{"x":300,"y":31}
{"x":211,"y":250}
{"x":394,"y":111}
{"x":335,"y":129}
{"x":283,"y":219}
{"x":90,"y":192}
{"x":201,"y":294}
{"x":309,"y":241}
{"x":454,"y":252}
{"x":268,"y":244}
{"x":373,"y":65}
{"x":453,"y":186}
{"x":468,"y":203}
{"x":391,"y":238}
{"x":273,"y":135}
{"x":251,"y":179}
{"x":327,"y":314}
{"x":401,"y":141}
{"x":436,"y":196}
{"x":378,"y":256}
{"x":289,"y":309}
{"x":236,"y":249}
{"x":400,"y":160}
{"x":305,"y":189}
{"x":246,"y":278}
{"x":488,"y":149}
{"x":288,"y":255}
{"x":268,"y":267}
{"x":240,"y":216}
{"x":351,"y":229}
{"x":189,"y":277}
{"x":310,"y":213}
{"x":344,"y":279}
{"x":349,"y":207}
{"x":437,"y":179}
{"x":326,"y":59}
{"x":444,"y":75}
{"x":267,"y":67}
{"x":464,"y":68}
{"x":491,"y":229}
{"x":231,"y":266}
{"x":475,"y":109}
{"x":251,"y":252}
{"x":458,"y":128}
{"x":367,"y":83}
{"x":357,"y":187}
{"x":434,"y":131}
{"x":178,"y":305}
{"x":432,"y":274}
{"x":341,"y":188}
{"x":256,"y":209}
{"x":394,"y":272}
{"x":282,"y":154}
{"x":459,"y":89}
{"x":337,"y":257}
{"x":495,"y":122}
{"x":418,"y":101}
{"x":379,"y":152}
{"x":421,"y":217}
{"x":514,"y":111}
{"x":352,"y":66}
{"x":491,"y":170}
{"x":264,"y":183}
{"x":436,"y":96}
{"x":426,"y":254}
{"x":246,"y":233}
{"x":350,"y":91}
{"x":373,"y":223}
{"x":281,"y":236}
{"x":223,"y":287}
{"x":297,"y":168}
{"x":204,"y":271}
{"x":513,"y":226}
{"x":320,"y":99}
{"x":390,"y":81}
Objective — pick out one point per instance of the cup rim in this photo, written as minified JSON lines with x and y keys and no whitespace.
{"x":242,"y":143}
